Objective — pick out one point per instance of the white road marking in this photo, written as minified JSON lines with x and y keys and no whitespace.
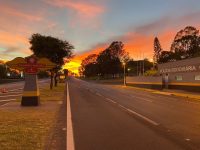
{"x":11,"y":95}
{"x":70,"y":135}
{"x":15,"y":90}
{"x":143,"y":117}
{"x":111,"y":100}
{"x":122,"y":106}
{"x":134,"y":113}
{"x":7,"y":100}
{"x":4,"y":104}
{"x":144,"y":99}
{"x":99,"y":94}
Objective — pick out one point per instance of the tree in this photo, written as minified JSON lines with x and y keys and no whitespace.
{"x":91,"y":70}
{"x":89,"y":66}
{"x":117,"y":51}
{"x":186,"y":43}
{"x":3,"y":71}
{"x":136,"y":66}
{"x":108,"y":64}
{"x":157,"y":50}
{"x":52,"y":48}
{"x":167,"y":56}
{"x":110,"y":60}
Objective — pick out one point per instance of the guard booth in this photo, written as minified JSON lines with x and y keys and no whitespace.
{"x":183,"y":74}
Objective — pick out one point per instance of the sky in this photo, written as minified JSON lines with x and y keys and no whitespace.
{"x":91,"y":25}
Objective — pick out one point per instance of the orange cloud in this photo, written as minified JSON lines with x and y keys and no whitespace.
{"x":136,"y":44}
{"x":7,"y":38}
{"x":82,"y":13}
{"x":7,"y":10}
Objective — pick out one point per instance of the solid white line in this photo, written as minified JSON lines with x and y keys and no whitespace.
{"x":143,"y":117}
{"x":11,"y":95}
{"x":70,"y":135}
{"x":7,"y":100}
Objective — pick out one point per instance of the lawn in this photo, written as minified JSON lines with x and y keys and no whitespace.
{"x":29,"y":128}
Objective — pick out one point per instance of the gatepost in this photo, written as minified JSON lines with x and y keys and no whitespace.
{"x":31,"y":65}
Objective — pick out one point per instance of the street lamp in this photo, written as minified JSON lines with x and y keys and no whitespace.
{"x":124,"y":64}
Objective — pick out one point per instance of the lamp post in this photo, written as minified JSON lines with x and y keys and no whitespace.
{"x":124,"y":64}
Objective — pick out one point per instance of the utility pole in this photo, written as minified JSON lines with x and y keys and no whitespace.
{"x":143,"y":65}
{"x":124,"y":64}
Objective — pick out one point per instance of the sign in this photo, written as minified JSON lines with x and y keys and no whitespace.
{"x":188,"y":68}
{"x":31,"y":65}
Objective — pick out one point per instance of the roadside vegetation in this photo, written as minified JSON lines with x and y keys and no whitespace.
{"x":109,"y":63}
{"x":29,"y":128}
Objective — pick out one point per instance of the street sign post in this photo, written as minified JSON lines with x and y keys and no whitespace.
{"x":31,"y":65}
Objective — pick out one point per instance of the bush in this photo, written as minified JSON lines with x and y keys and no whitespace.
{"x":151,"y":73}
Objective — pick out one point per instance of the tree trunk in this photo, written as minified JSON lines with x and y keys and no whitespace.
{"x":55,"y":80}
{"x":51,"y":83}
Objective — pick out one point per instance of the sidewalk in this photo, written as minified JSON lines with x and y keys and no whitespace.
{"x":172,"y":92}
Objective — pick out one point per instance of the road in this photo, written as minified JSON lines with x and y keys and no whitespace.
{"x":113,"y":117}
{"x":14,"y":91}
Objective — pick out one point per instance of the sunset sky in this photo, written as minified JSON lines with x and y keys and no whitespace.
{"x":91,"y":25}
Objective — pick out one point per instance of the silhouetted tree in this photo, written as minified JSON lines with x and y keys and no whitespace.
{"x":157,"y":50}
{"x":134,"y":68}
{"x":89,"y":66}
{"x":110,"y":60}
{"x":52,"y":48}
{"x":186,"y":43}
{"x":117,"y":50}
{"x":167,"y":56}
{"x":3,"y":71}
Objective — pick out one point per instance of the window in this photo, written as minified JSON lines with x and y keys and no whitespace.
{"x":197,"y":77}
{"x":179,"y":78}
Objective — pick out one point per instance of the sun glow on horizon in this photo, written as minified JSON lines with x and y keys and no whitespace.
{"x":73,"y":66}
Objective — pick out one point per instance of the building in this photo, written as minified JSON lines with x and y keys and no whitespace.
{"x":183,"y":74}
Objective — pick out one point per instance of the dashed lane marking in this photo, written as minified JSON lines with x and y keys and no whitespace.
{"x":111,"y":100}
{"x":99,"y":94}
{"x":143,"y":117}
{"x":134,"y":113}
{"x":144,"y":99}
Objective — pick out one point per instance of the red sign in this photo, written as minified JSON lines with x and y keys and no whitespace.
{"x":31,"y":67}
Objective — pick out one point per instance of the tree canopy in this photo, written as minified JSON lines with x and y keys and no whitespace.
{"x":186,"y":44}
{"x":107,"y":62}
{"x":50,"y":47}
{"x":54,"y":49}
{"x":157,"y":50}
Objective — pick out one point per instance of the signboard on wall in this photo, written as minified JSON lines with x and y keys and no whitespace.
{"x":189,"y":68}
{"x":187,"y":65}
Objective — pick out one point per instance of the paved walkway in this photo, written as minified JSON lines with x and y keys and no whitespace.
{"x":172,"y":92}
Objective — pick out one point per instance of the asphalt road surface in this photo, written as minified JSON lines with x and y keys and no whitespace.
{"x":14,"y":91}
{"x":111,"y":117}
